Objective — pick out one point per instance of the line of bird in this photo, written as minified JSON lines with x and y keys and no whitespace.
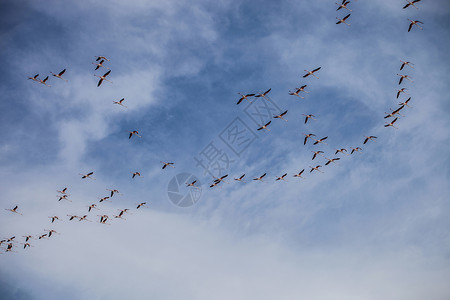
{"x":401,"y":105}
{"x":344,"y":3}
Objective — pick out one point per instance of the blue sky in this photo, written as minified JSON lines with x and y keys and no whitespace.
{"x":372,"y":226}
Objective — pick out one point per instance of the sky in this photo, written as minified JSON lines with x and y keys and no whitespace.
{"x":373,"y":225}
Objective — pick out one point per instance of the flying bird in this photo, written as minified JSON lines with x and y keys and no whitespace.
{"x":101,"y":57}
{"x":260,"y":177}
{"x":14,"y":210}
{"x":357,"y":149}
{"x":240,"y":178}
{"x":316,"y":168}
{"x":343,"y":151}
{"x":244,"y":97}
{"x":403,"y":104}
{"x":88,"y":175}
{"x":307,"y":117}
{"x":100,"y":65}
{"x":120,"y":102}
{"x":372,"y":138}
{"x":263,"y":94}
{"x":411,"y":3}
{"x":391,"y":124}
{"x":414,"y":23}
{"x":309,"y":135}
{"x":103,"y":77}
{"x":141,"y":205}
{"x":265,"y":126}
{"x":343,"y":20}
{"x":44,"y":81}
{"x":281,"y":177}
{"x":320,"y":141}
{"x":59,"y":75}
{"x":311,"y":73}
{"x":280,"y":116}
{"x":134,"y":132}
{"x":170,"y":164}
{"x":135,"y":174}
{"x":406,"y":63}
{"x":343,"y":5}
{"x":331,"y":160}
{"x":35,"y":78}
{"x":316,"y":153}
{"x":402,"y":90}
{"x":63,"y":191}
{"x":299,"y":174}
{"x":403,"y":77}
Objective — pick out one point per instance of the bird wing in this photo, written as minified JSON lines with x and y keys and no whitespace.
{"x":306,"y":138}
{"x":321,"y":67}
{"x":62,"y":72}
{"x":410,"y":26}
{"x":107,"y":73}
{"x":345,"y":18}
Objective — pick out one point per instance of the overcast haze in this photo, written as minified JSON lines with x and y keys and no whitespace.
{"x":373,"y":226}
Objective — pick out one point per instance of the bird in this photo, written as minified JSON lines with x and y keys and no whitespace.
{"x":103,"y":77}
{"x":265,"y":126}
{"x":372,"y":138}
{"x":120,"y":102}
{"x":311,"y":73}
{"x":406,"y":63}
{"x":403,"y":77}
{"x":135,"y":174}
{"x":405,"y":103}
{"x":316,"y":153}
{"x":101,"y":57}
{"x":14,"y":210}
{"x":240,"y":178}
{"x":59,"y":75}
{"x":343,"y":5}
{"x":90,"y":207}
{"x":88,"y":175}
{"x":316,"y":168}
{"x":141,"y":205}
{"x":307,"y":117}
{"x":63,"y":191}
{"x":263,"y":94}
{"x":280,"y":116}
{"x":103,"y":219}
{"x":260,"y":177}
{"x":218,"y":180}
{"x":343,"y":20}
{"x":83,"y":218}
{"x":402,"y":90}
{"x":170,"y":164}
{"x":63,"y":197}
{"x":54,"y":218}
{"x":104,"y":199}
{"x":296,"y":93}
{"x":411,"y":3}
{"x":113,"y":192}
{"x":28,"y":237}
{"x":35,"y":78}
{"x":71,"y":217}
{"x":51,"y":231}
{"x":391,"y":124}
{"x":244,"y":97}
{"x":357,"y":149}
{"x":26,"y":245}
{"x":309,"y":135}
{"x":125,"y":210}
{"x":119,"y":217}
{"x":44,"y":81}
{"x":392,"y":114}
{"x":320,"y":141}
{"x":281,"y":177}
{"x":414,"y":23}
{"x":343,"y":151}
{"x":192,"y":184}
{"x":100,"y":65}
{"x":299,"y":174}
{"x":43,"y":236}
{"x":134,"y":132}
{"x":302,"y":88}
{"x":331,"y":160}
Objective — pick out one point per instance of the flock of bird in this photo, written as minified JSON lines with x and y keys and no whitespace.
{"x":10,"y":244}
